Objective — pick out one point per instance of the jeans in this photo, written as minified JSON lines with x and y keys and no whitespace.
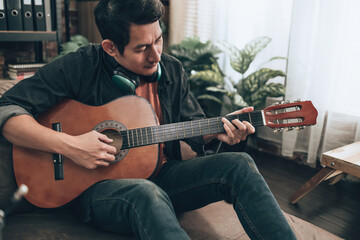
{"x":148,"y":208}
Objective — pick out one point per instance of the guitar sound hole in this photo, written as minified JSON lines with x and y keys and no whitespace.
{"x":112,"y":130}
{"x":116,"y":137}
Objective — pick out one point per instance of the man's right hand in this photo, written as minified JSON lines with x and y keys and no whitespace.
{"x":90,"y":150}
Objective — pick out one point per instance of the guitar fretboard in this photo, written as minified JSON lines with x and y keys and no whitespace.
{"x":163,"y":133}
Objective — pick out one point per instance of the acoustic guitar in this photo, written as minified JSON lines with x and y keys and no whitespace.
{"x":131,"y":122}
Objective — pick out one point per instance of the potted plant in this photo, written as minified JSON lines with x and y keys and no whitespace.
{"x":218,"y":94}
{"x":72,"y":45}
{"x":199,"y":60}
{"x":253,"y":88}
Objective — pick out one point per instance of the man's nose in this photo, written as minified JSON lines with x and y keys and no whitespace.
{"x":155,"y":54}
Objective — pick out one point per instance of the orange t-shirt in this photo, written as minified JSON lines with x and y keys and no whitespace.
{"x":149,"y":92}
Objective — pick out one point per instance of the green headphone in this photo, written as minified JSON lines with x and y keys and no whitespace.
{"x":128,"y":81}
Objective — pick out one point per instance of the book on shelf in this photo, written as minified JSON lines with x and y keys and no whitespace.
{"x":20,"y":71}
{"x":20,"y":76}
{"x":25,"y":65}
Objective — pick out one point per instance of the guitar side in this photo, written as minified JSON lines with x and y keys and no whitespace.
{"x":36,"y":169}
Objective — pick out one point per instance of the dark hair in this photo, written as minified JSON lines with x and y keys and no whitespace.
{"x":114,"y":17}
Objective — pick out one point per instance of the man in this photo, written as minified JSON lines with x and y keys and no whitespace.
{"x":132,"y":48}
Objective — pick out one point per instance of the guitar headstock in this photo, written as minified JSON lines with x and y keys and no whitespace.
{"x":287,"y":116}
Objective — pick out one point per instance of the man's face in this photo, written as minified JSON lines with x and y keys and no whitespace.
{"x":143,"y":52}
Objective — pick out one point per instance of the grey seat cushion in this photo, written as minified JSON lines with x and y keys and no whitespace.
{"x":7,"y":179}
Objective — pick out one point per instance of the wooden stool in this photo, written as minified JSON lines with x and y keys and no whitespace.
{"x":338,"y":162}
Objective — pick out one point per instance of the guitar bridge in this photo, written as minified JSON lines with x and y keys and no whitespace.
{"x":58,"y":158}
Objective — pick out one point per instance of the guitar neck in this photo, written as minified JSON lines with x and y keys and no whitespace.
{"x":163,"y":133}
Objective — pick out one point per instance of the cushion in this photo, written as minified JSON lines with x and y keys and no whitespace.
{"x":7,"y":179}
{"x":216,"y":221}
{"x":6,"y":85}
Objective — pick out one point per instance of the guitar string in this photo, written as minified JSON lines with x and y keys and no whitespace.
{"x":159,"y":132}
{"x":182,"y":126}
{"x":186,"y":128}
{"x":158,"y":137}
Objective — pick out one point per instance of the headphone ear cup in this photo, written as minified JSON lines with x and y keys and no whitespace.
{"x":158,"y":72}
{"x":125,"y":80}
{"x":124,"y":84}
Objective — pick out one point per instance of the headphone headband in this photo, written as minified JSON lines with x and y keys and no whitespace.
{"x":128,"y":81}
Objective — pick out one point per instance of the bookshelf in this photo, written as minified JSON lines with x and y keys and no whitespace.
{"x":37,"y":36}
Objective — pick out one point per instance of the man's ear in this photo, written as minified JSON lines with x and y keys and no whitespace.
{"x":109,"y":47}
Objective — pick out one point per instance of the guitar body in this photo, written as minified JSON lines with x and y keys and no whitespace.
{"x":36,"y":168}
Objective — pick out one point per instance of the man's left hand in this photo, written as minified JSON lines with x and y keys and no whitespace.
{"x":236,"y":131}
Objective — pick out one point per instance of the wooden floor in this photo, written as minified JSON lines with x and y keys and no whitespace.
{"x":335,"y":208}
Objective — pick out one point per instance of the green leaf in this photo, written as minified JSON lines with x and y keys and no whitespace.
{"x":216,"y":90}
{"x":213,"y":75}
{"x":270,"y":90}
{"x":254,"y":88}
{"x":194,"y":54}
{"x":193,"y":48}
{"x":273,"y":90}
{"x":276,"y":58}
{"x":210,"y":97}
{"x":240,"y":60}
{"x":263,"y":75}
{"x":239,"y":101}
{"x":69,"y":47}
{"x":80,"y":40}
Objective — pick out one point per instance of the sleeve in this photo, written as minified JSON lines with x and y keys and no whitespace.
{"x":9,"y":111}
{"x":51,"y":83}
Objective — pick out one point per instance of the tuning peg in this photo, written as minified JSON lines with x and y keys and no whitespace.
{"x":300,"y":128}
{"x":289,"y":129}
{"x":277,"y":130}
{"x":285,"y":102}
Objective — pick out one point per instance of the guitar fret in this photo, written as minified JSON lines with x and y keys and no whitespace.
{"x":218,"y":124}
{"x":128,"y":137}
{"x":164,"y":133}
{"x":137,"y":137}
{"x":208,"y":122}
{"x":192,"y":129}
{"x":200,"y":127}
{"x":184,"y":129}
{"x":132,"y":135}
{"x":152,"y":135}
{"x":177,"y":132}
{"x":250,"y":118}
{"x":147,"y":137}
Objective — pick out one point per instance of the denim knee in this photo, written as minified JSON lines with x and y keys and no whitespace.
{"x":123,"y":202}
{"x":241,"y":161}
{"x":148,"y":191}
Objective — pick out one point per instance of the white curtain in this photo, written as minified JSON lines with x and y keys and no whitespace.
{"x":236,"y":22}
{"x":323,"y":62}
{"x":321,"y":39}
